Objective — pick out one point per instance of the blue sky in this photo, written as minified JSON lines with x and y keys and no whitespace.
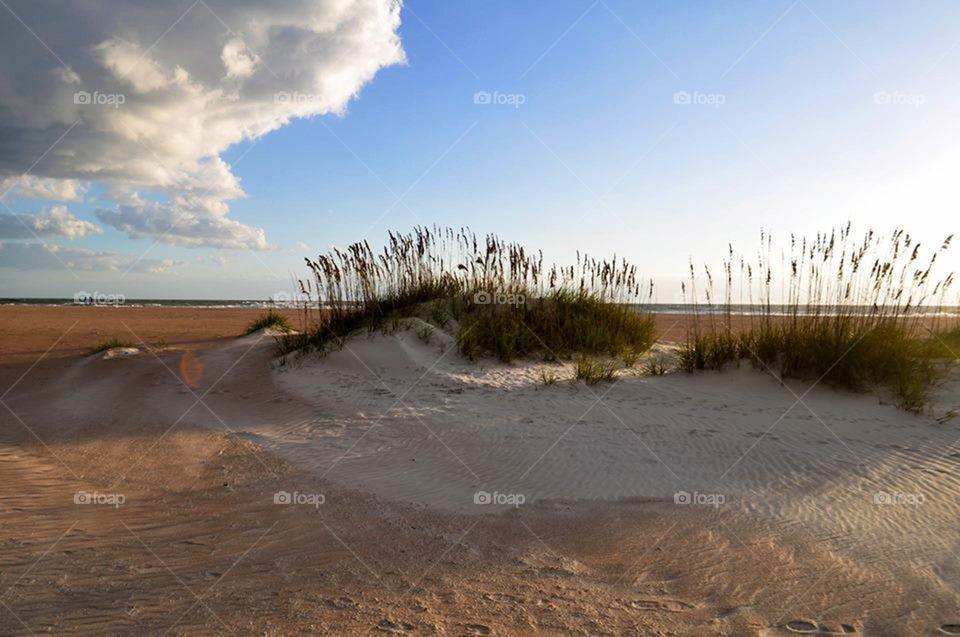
{"x":794,"y":135}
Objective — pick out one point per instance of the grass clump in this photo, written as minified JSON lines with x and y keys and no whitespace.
{"x":109,"y":344}
{"x":425,"y":334}
{"x":657,"y":365}
{"x":556,"y":325}
{"x":270,"y":320}
{"x":857,"y":313}
{"x":503,"y":300}
{"x":592,"y":370}
{"x":548,"y":377}
{"x":630,"y":356}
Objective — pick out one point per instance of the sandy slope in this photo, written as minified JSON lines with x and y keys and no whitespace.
{"x":435,"y":428}
{"x":399,"y":439}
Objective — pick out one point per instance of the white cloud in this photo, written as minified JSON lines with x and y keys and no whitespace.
{"x":39,"y":256}
{"x":185,"y":221}
{"x":58,"y":221}
{"x":153,"y":120}
{"x":34,"y":187}
{"x":238,"y":59}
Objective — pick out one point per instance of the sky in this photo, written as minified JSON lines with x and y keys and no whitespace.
{"x":201,"y":149}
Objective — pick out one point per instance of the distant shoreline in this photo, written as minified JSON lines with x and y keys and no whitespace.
{"x":655,"y":308}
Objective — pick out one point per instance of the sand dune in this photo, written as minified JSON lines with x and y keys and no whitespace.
{"x":410,"y":423}
{"x":796,"y":517}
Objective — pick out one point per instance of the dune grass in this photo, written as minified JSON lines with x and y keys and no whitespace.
{"x":271,"y":320}
{"x":548,"y":377}
{"x":592,"y":370}
{"x":111,"y":343}
{"x":856,"y":313}
{"x":504,"y":301}
{"x":946,"y":343}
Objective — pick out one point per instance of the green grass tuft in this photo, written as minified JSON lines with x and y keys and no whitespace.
{"x":548,"y":377}
{"x":112,"y":343}
{"x":592,"y":371}
{"x":272,"y":320}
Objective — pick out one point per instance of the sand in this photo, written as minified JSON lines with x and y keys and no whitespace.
{"x":712,"y":504}
{"x":30,"y":330}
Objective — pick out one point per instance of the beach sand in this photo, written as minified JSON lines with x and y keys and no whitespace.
{"x":708,"y":504}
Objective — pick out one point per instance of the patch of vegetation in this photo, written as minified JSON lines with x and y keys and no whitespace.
{"x":946,"y":343}
{"x":506,"y":303}
{"x":270,"y":320}
{"x":656,"y":365}
{"x":438,"y":313}
{"x":109,"y":344}
{"x":630,"y":356}
{"x":592,"y":370}
{"x":425,"y":334}
{"x":548,"y":377}
{"x":857,"y":315}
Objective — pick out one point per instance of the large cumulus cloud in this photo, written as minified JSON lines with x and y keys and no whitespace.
{"x":144,"y":96}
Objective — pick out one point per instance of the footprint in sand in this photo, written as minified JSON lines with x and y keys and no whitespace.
{"x":665,"y":605}
{"x":394,"y":628}
{"x":805,"y":627}
{"x":476,"y":629}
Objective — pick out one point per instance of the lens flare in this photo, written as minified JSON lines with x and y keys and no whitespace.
{"x":191,"y":369}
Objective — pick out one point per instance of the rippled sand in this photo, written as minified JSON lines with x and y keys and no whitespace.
{"x":691,"y":505}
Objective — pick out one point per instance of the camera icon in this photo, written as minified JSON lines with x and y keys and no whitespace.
{"x":282,"y":97}
{"x":882,"y":98}
{"x":882,"y":497}
{"x":281,"y":298}
{"x":681,"y":97}
{"x":681,"y":497}
{"x":482,"y":497}
{"x":81,"y":497}
{"x":482,"y":298}
{"x":82,"y":97}
{"x":81,"y":297}
{"x":481,"y":97}
{"x":282,"y":497}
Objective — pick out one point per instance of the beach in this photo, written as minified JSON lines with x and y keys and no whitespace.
{"x":201,"y":485}
{"x":412,"y":318}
